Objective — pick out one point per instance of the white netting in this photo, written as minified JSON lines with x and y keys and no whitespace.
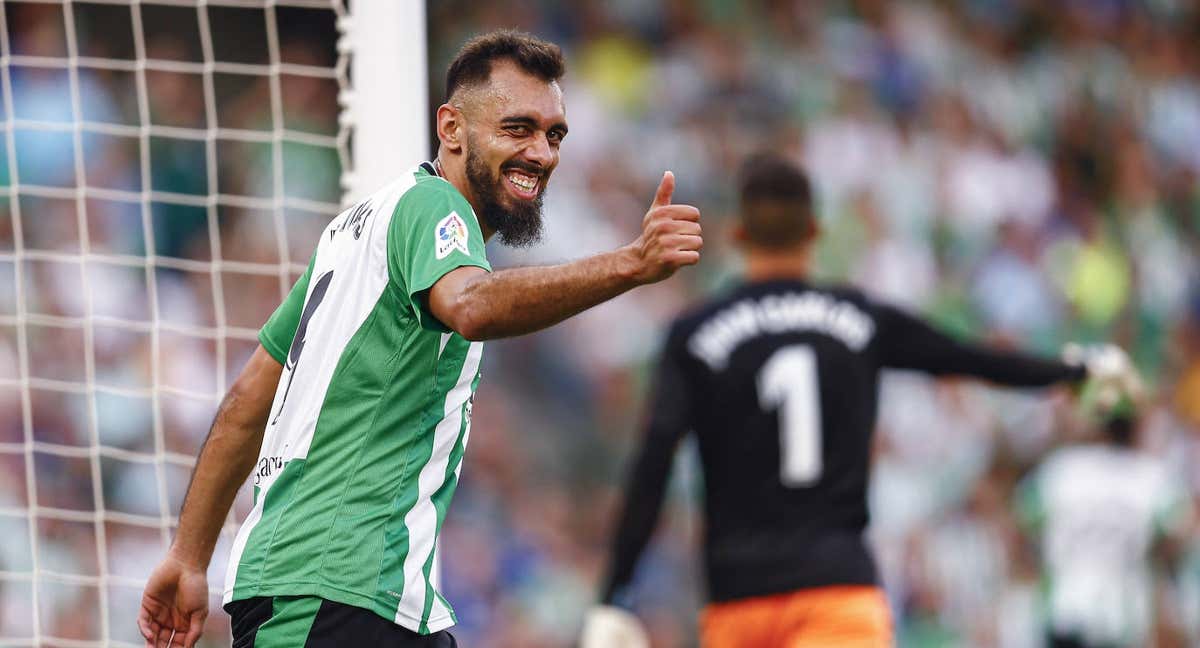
{"x":166,"y":167}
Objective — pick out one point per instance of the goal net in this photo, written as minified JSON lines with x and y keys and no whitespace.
{"x":167,"y":167}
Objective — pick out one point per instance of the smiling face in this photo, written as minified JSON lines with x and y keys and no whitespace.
{"x":514,"y":123}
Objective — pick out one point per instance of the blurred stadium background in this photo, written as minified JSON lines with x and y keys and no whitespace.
{"x":1020,"y":171}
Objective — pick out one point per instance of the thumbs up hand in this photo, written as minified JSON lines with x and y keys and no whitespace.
{"x":670,"y":239}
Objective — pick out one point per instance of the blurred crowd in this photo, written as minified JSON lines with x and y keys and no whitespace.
{"x":1020,"y":172}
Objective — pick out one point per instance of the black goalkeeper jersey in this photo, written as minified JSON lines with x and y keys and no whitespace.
{"x":779,"y":380}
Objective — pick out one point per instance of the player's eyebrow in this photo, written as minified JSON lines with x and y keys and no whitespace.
{"x":526,"y":120}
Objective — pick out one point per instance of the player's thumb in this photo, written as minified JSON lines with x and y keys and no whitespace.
{"x":666,"y":187}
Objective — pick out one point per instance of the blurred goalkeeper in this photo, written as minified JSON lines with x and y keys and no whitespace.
{"x":353,"y":414}
{"x":778,"y":380}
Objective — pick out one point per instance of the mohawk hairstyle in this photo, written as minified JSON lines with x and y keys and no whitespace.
{"x":473,"y":63}
{"x":776,"y":201}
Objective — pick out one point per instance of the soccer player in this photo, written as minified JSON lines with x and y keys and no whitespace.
{"x":778,"y":380}
{"x":353,"y":413}
{"x":1103,"y":514}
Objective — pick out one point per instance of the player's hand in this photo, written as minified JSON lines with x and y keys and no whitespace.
{"x":606,"y":626}
{"x":174,"y":604}
{"x":670,"y":238}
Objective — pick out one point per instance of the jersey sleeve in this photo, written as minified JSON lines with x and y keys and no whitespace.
{"x":432,"y":232}
{"x":276,"y":335}
{"x":906,"y":342}
{"x":668,"y":419}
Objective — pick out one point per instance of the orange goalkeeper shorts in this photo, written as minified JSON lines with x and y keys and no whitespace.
{"x":854,"y":616}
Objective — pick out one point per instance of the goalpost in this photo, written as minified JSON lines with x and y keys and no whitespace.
{"x":139,"y":251}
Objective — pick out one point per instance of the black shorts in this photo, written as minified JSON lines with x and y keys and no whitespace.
{"x":311,"y":622}
{"x":1058,"y":640}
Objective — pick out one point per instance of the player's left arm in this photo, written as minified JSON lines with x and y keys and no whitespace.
{"x":907,"y":342}
{"x":175,"y":600}
{"x":667,"y":420}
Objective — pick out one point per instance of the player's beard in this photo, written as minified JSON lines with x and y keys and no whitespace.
{"x":518,"y":222}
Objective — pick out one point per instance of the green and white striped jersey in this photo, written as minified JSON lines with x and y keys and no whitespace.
{"x":366,"y":435}
{"x":1098,"y":510}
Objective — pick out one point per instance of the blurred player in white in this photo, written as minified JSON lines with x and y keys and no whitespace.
{"x":1104,"y":515}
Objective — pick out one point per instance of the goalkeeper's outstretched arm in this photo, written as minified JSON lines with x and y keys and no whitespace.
{"x":909,"y":343}
{"x":175,"y":601}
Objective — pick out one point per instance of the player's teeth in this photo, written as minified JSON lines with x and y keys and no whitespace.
{"x":522,"y":181}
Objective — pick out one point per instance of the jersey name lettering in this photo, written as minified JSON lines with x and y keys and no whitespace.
{"x":357,"y":219}
{"x":807,"y":311}
{"x":268,"y":466}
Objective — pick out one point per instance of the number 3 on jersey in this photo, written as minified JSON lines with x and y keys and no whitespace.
{"x":788,"y":382}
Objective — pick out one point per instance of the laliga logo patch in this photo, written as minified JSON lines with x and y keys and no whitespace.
{"x":450,"y":233}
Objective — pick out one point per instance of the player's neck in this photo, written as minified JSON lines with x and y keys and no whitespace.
{"x":790,"y":263}
{"x":455,"y":173}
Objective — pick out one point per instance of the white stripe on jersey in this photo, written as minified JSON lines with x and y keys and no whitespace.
{"x":438,"y":610}
{"x":421,"y":519}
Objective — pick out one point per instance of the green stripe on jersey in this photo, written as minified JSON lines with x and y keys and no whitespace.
{"x":291,"y":620}
{"x":274,"y":504}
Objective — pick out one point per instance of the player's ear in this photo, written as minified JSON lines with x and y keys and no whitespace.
{"x":451,"y":127}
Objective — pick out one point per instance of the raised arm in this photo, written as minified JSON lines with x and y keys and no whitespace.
{"x":909,"y":343}
{"x":175,"y":601}
{"x":480,"y":305}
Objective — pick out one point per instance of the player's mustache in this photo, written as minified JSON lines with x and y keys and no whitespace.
{"x":531,"y":168}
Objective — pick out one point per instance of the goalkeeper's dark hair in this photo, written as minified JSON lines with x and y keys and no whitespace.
{"x":775,"y":201}
{"x":473,"y":63}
